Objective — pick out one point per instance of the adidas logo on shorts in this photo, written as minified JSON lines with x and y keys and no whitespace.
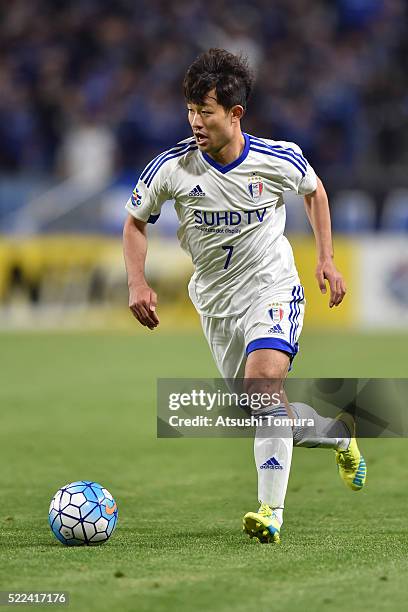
{"x":276,"y":329}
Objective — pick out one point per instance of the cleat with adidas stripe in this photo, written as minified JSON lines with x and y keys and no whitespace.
{"x":263,"y":525}
{"x":351,"y":464}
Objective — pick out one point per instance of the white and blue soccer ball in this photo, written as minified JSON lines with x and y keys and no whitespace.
{"x":83,"y":512}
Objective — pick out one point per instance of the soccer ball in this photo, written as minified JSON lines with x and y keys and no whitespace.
{"x":81,"y":513}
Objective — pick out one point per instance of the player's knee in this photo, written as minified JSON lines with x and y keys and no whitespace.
{"x":265,"y":372}
{"x":266,"y":382}
{"x":264,"y":375}
{"x":267,"y":363}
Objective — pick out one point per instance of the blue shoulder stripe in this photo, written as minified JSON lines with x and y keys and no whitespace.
{"x":282,"y":156}
{"x":178,"y":147}
{"x":280,"y":149}
{"x":259,"y":141}
{"x":152,"y":173}
{"x":150,"y":164}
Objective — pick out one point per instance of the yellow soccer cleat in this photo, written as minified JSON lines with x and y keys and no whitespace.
{"x":351,"y":464}
{"x":263,"y":525}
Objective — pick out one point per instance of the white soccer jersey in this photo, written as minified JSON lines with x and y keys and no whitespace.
{"x":232,"y":218}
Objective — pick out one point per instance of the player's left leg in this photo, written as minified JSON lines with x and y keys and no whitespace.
{"x":265,"y":372}
{"x":337,"y":433}
{"x":322,"y":432}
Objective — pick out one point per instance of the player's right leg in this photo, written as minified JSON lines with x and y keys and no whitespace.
{"x":226,"y":341}
{"x":225,"y":337}
{"x":273,"y":325}
{"x":265,"y":372}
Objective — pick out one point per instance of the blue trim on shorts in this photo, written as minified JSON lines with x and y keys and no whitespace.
{"x":273,"y":343}
{"x":298,"y":296}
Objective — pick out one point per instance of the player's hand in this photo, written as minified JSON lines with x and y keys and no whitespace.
{"x":142,"y":303}
{"x":326,"y":270}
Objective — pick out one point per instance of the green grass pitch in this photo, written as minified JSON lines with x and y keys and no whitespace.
{"x":83,"y":407}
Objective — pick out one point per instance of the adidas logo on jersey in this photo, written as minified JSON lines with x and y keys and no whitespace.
{"x":271,"y":464}
{"x":276,"y":329}
{"x":197,"y":192}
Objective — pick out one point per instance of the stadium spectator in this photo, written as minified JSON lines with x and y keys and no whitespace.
{"x":331,"y":76}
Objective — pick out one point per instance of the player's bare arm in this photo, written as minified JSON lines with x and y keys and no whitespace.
{"x":142,"y":299}
{"x":318,"y":212}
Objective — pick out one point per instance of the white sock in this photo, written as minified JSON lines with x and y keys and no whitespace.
{"x":325,"y":433}
{"x":279,"y":514}
{"x":273,"y":446}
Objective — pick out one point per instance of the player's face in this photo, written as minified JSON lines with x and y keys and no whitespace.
{"x":212,"y":125}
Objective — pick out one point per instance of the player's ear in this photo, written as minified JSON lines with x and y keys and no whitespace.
{"x":237,"y":112}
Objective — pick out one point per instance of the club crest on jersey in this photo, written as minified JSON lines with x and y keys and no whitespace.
{"x":136,"y":198}
{"x":276,"y":313}
{"x":255,"y":187}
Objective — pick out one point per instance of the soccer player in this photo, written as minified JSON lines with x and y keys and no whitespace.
{"x":228,"y":190}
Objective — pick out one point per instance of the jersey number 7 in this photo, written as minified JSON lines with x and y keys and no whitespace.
{"x":230,"y":250}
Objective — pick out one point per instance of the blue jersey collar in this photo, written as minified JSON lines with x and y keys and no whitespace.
{"x":234,"y":164}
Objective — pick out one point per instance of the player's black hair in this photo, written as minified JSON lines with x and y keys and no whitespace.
{"x":230,"y":76}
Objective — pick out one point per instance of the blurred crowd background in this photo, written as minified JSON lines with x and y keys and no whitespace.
{"x":94,"y":87}
{"x":91,"y":90}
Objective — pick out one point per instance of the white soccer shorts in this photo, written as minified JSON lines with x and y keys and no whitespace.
{"x":272,"y":321}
